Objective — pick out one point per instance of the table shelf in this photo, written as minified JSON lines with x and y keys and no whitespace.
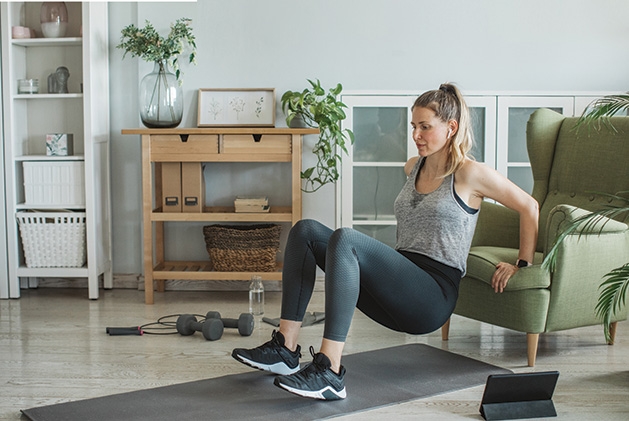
{"x":208,"y":146}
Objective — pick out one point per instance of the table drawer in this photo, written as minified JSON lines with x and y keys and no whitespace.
{"x":256,"y":144}
{"x":177,"y":148}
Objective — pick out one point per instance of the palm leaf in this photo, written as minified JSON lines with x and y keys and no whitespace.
{"x":612,"y":297}
{"x":590,"y":223}
{"x":602,"y":109}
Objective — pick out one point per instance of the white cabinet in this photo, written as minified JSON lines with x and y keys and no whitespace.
{"x":372,"y":174}
{"x":83,"y":112}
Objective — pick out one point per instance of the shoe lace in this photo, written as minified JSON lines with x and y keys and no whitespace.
{"x":275,"y":341}
{"x":316,"y":362}
{"x":274,"y":337}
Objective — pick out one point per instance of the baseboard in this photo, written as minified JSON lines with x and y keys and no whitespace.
{"x":136,"y":281}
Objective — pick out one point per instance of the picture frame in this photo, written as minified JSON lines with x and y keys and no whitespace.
{"x":224,"y":107}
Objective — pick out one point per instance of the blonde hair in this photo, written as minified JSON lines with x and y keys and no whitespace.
{"x":448,"y":104}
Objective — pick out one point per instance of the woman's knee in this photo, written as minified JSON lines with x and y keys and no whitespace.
{"x":304,"y":228}
{"x":344,"y":234}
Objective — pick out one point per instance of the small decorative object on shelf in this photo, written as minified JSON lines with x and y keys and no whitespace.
{"x":161,"y":96}
{"x":54,"y":19}
{"x":251,"y":204}
{"x":21,"y":32}
{"x":28,"y":86}
{"x":59,"y":144}
{"x":58,"y":81}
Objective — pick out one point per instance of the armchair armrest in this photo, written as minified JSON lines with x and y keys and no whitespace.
{"x":582,"y":259}
{"x":497,"y":226}
{"x":562,"y":216}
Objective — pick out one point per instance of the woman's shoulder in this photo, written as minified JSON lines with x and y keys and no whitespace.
{"x":471,"y":170}
{"x":468,"y":165}
{"x":408,"y":167}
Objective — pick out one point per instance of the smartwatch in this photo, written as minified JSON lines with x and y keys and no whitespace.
{"x":522,"y":263}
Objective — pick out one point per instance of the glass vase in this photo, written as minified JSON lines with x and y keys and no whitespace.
{"x":161,"y":98}
{"x":53,"y":17}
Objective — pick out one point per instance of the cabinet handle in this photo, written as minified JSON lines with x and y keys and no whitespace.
{"x":183,"y":137}
{"x":257,"y":137}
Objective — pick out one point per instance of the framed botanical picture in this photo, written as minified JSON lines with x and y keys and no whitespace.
{"x":253,"y":107}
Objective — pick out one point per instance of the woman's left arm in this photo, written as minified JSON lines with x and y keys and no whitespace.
{"x":488,"y":183}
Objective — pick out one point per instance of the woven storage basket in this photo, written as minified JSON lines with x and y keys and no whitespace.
{"x":246,"y":248}
{"x":53,"y":239}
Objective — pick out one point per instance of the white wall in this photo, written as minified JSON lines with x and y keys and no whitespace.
{"x":382,"y":45}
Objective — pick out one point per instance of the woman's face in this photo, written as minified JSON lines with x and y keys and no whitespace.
{"x":429,"y":132}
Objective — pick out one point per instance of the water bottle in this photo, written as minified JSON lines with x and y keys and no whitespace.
{"x":256,"y":296}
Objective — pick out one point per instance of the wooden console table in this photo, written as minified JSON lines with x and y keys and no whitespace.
{"x":207,"y":145}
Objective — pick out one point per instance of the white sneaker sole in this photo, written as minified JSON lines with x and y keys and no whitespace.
{"x":277,"y":368}
{"x":327,"y":393}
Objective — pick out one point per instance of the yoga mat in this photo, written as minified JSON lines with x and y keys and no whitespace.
{"x":374,"y":379}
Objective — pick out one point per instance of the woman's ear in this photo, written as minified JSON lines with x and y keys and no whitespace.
{"x":453,"y":126}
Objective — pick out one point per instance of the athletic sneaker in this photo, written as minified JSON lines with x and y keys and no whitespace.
{"x":271,"y":356}
{"x":316,"y":380}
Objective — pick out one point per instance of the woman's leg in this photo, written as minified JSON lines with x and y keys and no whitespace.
{"x":358,"y":271}
{"x":305,"y":250}
{"x":365,"y":273}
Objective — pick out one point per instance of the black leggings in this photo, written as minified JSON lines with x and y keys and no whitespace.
{"x":361,"y":272}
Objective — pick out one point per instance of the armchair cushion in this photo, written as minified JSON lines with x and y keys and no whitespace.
{"x":482,"y":261}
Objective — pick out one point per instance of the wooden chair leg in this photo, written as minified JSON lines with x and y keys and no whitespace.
{"x":612,"y":333}
{"x":531,"y":345}
{"x":161,"y":285}
{"x":445,"y":331}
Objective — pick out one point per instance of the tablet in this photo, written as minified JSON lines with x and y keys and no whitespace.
{"x":515,"y":396}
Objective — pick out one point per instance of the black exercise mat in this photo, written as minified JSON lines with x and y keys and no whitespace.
{"x":373,"y":379}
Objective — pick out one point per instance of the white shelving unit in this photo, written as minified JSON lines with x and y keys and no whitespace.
{"x":84,"y":112}
{"x":4,"y":272}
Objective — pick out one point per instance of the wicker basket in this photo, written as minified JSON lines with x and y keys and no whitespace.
{"x":243,"y":248}
{"x":53,"y":239}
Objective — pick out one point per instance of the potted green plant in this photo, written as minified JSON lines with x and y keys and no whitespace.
{"x":613,"y":289}
{"x":161,"y":96}
{"x":323,"y":110}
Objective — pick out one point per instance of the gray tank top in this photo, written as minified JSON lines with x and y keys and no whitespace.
{"x":438,"y":224}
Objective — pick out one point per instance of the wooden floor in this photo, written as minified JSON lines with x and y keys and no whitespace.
{"x":54,"y":348}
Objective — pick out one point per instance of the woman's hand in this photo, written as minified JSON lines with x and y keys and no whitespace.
{"x":504,"y":272}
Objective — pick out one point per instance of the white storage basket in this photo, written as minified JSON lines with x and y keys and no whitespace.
{"x":56,"y":183}
{"x":53,"y":239}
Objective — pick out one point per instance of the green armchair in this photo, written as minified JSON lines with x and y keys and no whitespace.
{"x":569,"y":169}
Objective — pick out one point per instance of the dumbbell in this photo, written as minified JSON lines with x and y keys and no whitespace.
{"x":212,"y":327}
{"x":244,"y":323}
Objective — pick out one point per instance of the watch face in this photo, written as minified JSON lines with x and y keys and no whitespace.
{"x":522,"y":263}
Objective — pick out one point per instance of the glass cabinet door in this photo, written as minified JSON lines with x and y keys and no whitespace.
{"x":373,"y":173}
{"x":483,"y":119}
{"x":512,"y":158}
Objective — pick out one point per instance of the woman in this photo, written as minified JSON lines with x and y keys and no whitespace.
{"x":412,"y":288}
